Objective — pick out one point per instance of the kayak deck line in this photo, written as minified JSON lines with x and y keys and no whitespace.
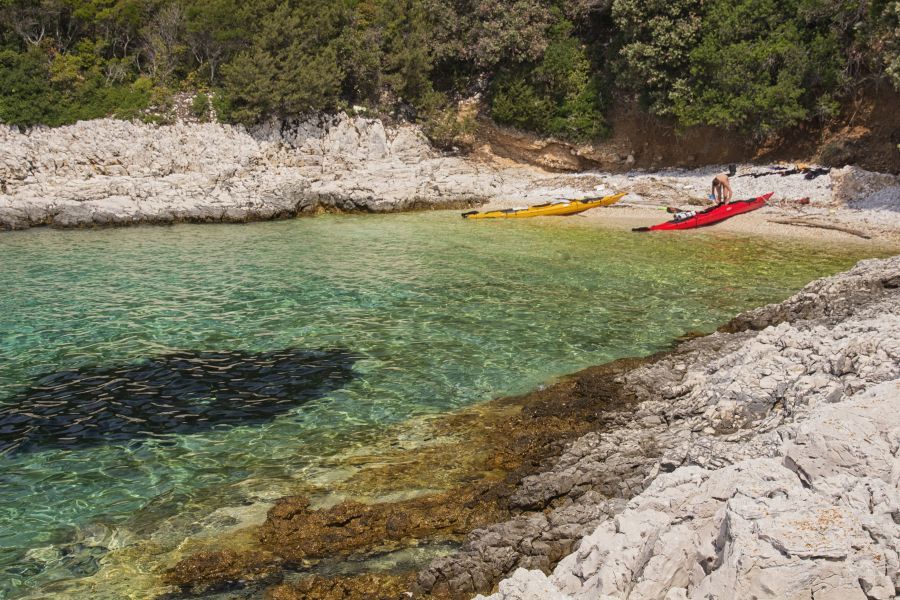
{"x":710,"y":216}
{"x":556,"y":208}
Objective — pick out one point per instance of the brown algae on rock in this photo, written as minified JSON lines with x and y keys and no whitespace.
{"x":482,"y":453}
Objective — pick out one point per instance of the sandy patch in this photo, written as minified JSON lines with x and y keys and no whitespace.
{"x":846,"y":205}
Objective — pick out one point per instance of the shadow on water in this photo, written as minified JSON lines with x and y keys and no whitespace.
{"x":177,"y":393}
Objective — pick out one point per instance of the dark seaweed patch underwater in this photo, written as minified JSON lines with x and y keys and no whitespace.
{"x":175,"y":393}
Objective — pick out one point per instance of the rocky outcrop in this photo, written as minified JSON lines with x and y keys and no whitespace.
{"x":720,"y":411}
{"x":111,"y":172}
{"x":760,"y":461}
{"x":819,"y":521}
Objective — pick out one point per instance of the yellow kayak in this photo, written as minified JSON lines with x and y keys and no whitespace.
{"x":557,"y":208}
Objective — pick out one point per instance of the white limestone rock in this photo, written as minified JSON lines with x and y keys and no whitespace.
{"x":101,"y":172}
{"x":819,"y":522}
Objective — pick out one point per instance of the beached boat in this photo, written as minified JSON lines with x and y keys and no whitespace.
{"x":555,"y":208}
{"x":710,"y":216}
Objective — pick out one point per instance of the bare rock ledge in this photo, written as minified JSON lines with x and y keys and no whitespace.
{"x":109,"y":172}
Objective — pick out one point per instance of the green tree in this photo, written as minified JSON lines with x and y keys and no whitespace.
{"x":487,"y":33}
{"x":407,"y":59}
{"x":215,"y":30}
{"x":559,"y":95}
{"x":886,"y":41}
{"x":657,"y":37}
{"x":292,"y":66}
{"x":118,"y":22}
{"x":362,"y":51}
{"x":757,"y":65}
{"x":165,"y":42}
{"x":757,"y":68}
{"x":26,"y":97}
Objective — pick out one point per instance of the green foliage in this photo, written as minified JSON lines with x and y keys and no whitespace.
{"x":386,"y":48}
{"x":757,"y":68}
{"x":215,"y":29}
{"x":35,"y":89}
{"x":200,"y":106}
{"x":656,"y":37}
{"x":362,"y":52}
{"x":547,"y":66}
{"x":26,"y":97}
{"x":755,"y":65}
{"x":559,"y":95}
{"x":486,"y":33}
{"x":516,"y":102}
{"x":443,"y":123}
{"x":407,"y":60}
{"x":887,"y":41}
{"x":291,"y":66}
{"x":221,"y":106}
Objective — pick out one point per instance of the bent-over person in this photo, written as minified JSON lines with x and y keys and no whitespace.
{"x":721,"y":187}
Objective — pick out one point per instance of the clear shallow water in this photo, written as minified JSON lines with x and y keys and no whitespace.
{"x":438,"y":313}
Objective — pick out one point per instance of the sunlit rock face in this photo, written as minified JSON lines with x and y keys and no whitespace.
{"x":183,"y":392}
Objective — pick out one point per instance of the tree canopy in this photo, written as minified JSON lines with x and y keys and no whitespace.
{"x":548,"y":66}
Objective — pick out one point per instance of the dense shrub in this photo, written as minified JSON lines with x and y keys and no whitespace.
{"x":558,"y":95}
{"x":656,"y":38}
{"x":25,"y":93}
{"x":200,"y":106}
{"x":291,"y":66}
{"x":755,"y":65}
{"x":758,"y":67}
{"x":886,"y":40}
{"x":35,"y":89}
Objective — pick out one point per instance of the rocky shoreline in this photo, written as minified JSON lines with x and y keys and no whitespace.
{"x":760,"y":461}
{"x":109,"y":172}
{"x":117,"y":173}
{"x":719,"y":466}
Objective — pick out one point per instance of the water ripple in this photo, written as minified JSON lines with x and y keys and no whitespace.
{"x":440,"y":312}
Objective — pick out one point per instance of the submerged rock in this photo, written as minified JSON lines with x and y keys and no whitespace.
{"x":484,"y":451}
{"x":760,"y":461}
{"x":297,"y":532}
{"x":183,"y":392}
{"x":711,"y":404}
{"x":209,"y":572}
{"x":361,"y":587}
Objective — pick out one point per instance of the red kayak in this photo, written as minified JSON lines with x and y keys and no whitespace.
{"x":710,"y":216}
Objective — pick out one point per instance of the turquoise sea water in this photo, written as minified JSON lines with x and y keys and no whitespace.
{"x":437,"y":313}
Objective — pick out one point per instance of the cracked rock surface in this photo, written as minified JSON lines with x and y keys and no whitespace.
{"x":819,"y":521}
{"x":761,"y":461}
{"x":109,"y":172}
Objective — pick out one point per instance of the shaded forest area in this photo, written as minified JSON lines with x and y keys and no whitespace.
{"x":551,"y":67}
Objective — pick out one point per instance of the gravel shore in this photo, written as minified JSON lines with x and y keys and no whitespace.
{"x":845,"y":205}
